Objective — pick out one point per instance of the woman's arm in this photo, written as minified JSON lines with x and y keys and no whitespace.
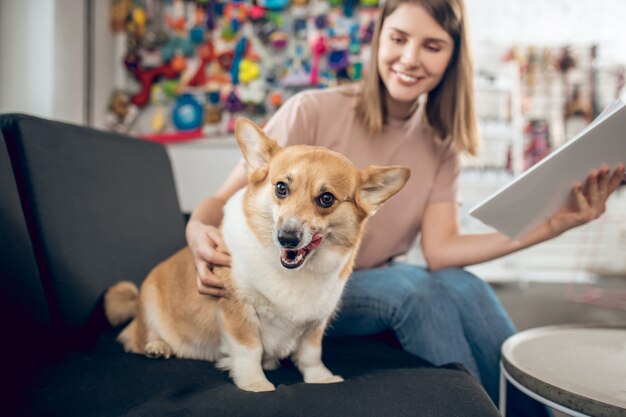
{"x":203,"y":234}
{"x":443,"y":246}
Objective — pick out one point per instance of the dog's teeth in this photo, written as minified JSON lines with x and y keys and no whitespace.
{"x":293,"y":258}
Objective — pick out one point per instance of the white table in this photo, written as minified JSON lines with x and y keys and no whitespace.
{"x":579,"y":370}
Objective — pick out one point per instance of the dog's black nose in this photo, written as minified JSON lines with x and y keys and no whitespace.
{"x":289,"y":238}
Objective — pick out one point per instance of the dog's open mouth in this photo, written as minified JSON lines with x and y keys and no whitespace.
{"x":294,"y":258}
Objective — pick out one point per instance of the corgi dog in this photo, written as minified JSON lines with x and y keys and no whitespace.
{"x":292,"y":234}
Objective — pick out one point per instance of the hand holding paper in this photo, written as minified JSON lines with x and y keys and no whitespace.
{"x":544,"y":192}
{"x":588,"y":200}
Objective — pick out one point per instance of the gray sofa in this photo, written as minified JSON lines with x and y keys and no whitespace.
{"x":82,"y":209}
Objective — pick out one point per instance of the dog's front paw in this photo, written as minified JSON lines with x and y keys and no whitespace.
{"x":257,"y":386}
{"x":158,"y":349}
{"x":331,"y":380}
{"x":325,"y":379}
{"x":320,"y":375}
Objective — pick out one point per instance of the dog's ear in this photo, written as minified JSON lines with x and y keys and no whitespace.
{"x":379,"y":184}
{"x":256,"y":147}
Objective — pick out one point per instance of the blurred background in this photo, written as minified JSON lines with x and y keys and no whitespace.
{"x":180,"y":72}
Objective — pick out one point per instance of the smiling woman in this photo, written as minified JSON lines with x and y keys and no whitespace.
{"x":431,"y":58}
{"x":414,"y":108}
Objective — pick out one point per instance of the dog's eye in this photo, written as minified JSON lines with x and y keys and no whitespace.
{"x":281,"y":189}
{"x":325,"y":200}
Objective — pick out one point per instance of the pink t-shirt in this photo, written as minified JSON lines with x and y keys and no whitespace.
{"x":327,"y":118}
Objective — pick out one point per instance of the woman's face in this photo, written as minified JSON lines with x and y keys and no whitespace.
{"x":414,"y":52}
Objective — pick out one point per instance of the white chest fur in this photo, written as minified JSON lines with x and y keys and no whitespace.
{"x":287,"y":302}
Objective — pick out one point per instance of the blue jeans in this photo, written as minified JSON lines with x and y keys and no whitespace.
{"x":442,"y":316}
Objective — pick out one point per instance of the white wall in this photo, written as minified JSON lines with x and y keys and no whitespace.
{"x":69,"y":47}
{"x":42,"y":58}
{"x":26,"y":55}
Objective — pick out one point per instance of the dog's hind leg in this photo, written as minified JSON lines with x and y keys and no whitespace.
{"x":158,"y":349}
{"x":150,"y":329}
{"x":155,"y":347}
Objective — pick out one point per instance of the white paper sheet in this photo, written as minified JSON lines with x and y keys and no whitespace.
{"x":538,"y":193}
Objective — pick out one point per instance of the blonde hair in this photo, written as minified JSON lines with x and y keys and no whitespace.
{"x":450,"y":105}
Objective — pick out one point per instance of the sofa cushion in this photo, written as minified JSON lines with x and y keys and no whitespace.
{"x":380,"y":380}
{"x":101,"y":207}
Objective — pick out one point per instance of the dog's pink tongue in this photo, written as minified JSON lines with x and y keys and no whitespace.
{"x":315,"y":241}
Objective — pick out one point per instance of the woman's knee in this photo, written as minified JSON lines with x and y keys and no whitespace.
{"x":428,"y":306}
{"x":388,"y":288}
{"x":426,"y":300}
{"x":464,"y":283}
{"x":405,"y":289}
{"x":406,"y":292}
{"x":413,"y":295}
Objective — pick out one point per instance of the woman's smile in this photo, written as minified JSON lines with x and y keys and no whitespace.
{"x":406,"y":78}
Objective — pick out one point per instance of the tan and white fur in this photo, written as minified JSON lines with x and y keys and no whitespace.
{"x":292,"y":234}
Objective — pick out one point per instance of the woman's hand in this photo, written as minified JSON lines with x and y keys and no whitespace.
{"x":589,"y":199}
{"x":203,"y":241}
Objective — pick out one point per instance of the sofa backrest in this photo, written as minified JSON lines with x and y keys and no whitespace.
{"x":24,"y":316}
{"x":99,"y":207}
